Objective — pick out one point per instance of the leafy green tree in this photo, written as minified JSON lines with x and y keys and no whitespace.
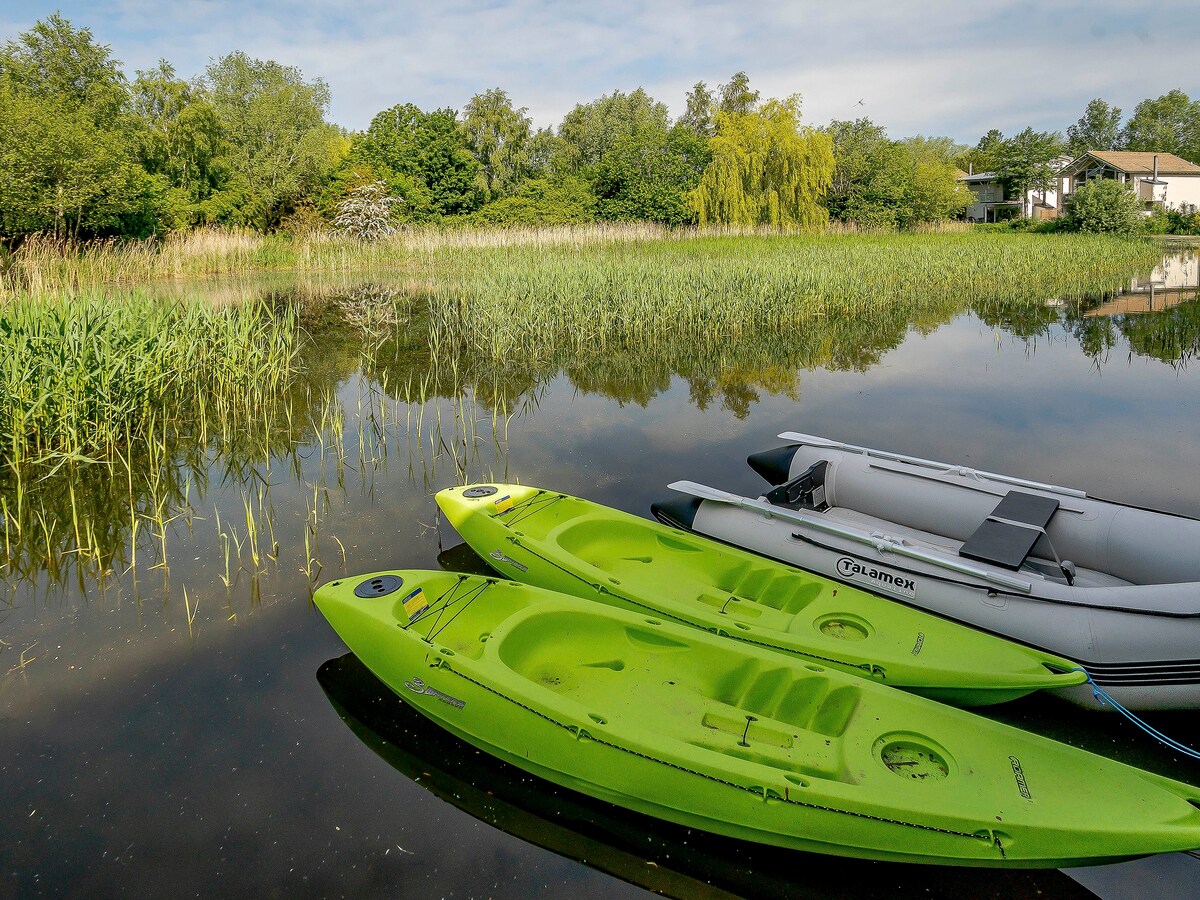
{"x":55,"y":60}
{"x":882,"y":183}
{"x":279,"y":148}
{"x":698,"y":116}
{"x":945,"y":150}
{"x":543,"y":149}
{"x":60,"y":173}
{"x":66,"y":161}
{"x":932,"y":191}
{"x":425,"y":160}
{"x":766,"y":169}
{"x":1104,"y":204}
{"x":648,"y":175}
{"x":857,"y":148}
{"x":735,"y":97}
{"x":179,"y":139}
{"x":1027,"y":163}
{"x":1168,"y":124}
{"x":860,"y":182}
{"x":498,"y":136}
{"x":590,"y":130}
{"x":985,"y":155}
{"x":1099,"y":128}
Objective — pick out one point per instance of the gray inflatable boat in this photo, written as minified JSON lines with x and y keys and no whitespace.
{"x":1114,"y":587}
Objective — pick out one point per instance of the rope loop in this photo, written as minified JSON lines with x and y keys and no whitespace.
{"x":1106,"y":699}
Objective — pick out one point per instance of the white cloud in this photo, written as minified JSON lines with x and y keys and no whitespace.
{"x":938,"y":67}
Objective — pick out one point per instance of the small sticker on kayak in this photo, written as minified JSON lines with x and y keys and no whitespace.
{"x":417,"y":686}
{"x":503,"y":504}
{"x":499,"y":556}
{"x":876,"y":579}
{"x":1019,"y":774}
{"x":415,"y":604}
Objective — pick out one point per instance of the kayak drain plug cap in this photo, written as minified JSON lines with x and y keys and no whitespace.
{"x":379,"y":586}
{"x":474,"y":493}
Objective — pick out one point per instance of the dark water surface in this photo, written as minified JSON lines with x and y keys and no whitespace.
{"x":163,"y":733}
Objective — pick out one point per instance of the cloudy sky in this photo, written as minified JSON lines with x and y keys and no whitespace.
{"x":937,"y":67}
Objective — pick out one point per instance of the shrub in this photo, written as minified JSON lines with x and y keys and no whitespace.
{"x":1104,"y":204}
{"x":541,"y":202}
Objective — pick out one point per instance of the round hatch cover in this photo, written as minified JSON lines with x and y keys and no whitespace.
{"x":379,"y":586}
{"x":474,"y":493}
{"x":910,"y":759}
{"x":843,"y":629}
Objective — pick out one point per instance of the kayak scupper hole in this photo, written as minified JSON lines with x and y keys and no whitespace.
{"x":599,"y":720}
{"x":483,"y":638}
{"x":614,"y":581}
{"x":446,"y":652}
{"x":741,"y":626}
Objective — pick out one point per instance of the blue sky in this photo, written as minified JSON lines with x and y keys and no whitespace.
{"x":935,"y":67}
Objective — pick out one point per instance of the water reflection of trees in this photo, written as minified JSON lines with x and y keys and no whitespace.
{"x":1171,"y":336}
{"x":433,"y":395}
{"x":726,"y":368}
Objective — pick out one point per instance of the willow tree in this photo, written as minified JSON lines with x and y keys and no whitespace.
{"x":766,"y":169}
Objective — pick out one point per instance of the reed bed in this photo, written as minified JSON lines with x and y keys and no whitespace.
{"x":512,"y":300}
{"x":86,"y":378}
{"x":41,"y":266}
{"x":118,"y":407}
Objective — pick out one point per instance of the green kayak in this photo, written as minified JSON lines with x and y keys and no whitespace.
{"x":739,"y":740}
{"x":567,"y":544}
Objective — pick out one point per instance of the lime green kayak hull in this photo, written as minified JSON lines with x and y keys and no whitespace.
{"x":738,"y":740}
{"x":567,"y":544}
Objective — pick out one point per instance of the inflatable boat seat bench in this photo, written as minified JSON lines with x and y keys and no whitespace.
{"x":1007,"y":535}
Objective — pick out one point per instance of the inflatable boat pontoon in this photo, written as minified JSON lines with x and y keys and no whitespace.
{"x":1114,"y":587}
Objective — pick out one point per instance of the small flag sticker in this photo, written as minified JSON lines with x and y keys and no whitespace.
{"x":415,"y":604}
{"x":503,"y":504}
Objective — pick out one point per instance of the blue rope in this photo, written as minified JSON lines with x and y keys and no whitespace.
{"x":1105,"y":699}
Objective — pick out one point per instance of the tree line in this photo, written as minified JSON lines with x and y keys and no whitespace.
{"x":85,"y":151}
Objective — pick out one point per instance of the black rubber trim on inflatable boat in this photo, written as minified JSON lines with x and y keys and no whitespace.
{"x":774,"y":465}
{"x":677,"y":512}
{"x":1142,"y":674}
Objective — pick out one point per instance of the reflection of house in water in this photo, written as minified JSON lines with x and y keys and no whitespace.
{"x":1176,"y":280}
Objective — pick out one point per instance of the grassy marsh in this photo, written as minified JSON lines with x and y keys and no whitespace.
{"x":125,"y":411}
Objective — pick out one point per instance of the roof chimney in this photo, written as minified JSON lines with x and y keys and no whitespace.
{"x":1154,"y":178}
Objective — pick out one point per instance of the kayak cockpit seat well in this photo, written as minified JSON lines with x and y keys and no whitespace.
{"x":574,"y":664}
{"x":683,"y":565}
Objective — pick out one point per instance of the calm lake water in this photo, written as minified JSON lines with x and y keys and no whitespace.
{"x":196,"y":728}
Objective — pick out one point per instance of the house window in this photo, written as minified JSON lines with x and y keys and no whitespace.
{"x":988,"y":193}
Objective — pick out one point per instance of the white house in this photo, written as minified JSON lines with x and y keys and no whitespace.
{"x":1160,"y":179}
{"x":993,"y":203}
